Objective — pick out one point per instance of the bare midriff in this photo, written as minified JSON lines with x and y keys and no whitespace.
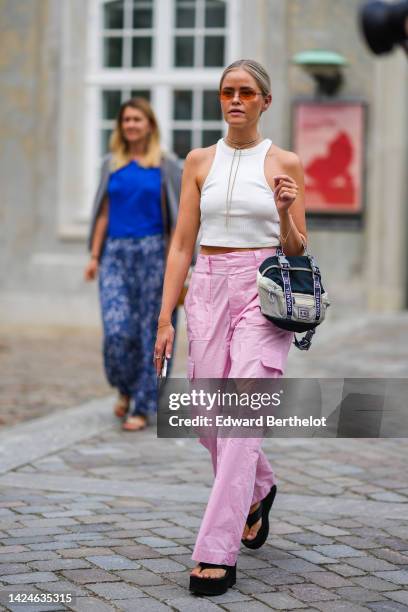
{"x":215,"y":250}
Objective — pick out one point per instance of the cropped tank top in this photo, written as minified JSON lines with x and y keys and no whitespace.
{"x":253,"y":219}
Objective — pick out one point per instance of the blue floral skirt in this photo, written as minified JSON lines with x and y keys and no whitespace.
{"x":130,"y":285}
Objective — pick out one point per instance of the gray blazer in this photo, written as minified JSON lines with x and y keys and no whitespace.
{"x":171,"y":186}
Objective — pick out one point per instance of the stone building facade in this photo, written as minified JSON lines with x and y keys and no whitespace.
{"x":66,"y":65}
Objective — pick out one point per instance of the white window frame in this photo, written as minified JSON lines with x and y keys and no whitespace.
{"x":197,"y":124}
{"x":79,"y":155}
{"x":199,"y":32}
{"x":127,"y":33}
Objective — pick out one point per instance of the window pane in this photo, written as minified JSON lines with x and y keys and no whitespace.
{"x":105,"y":137}
{"x":142,"y":51}
{"x":140,"y":93}
{"x":214,"y":51}
{"x":112,"y":52}
{"x":211,"y":106}
{"x":214,"y":14}
{"x":111,"y":100}
{"x":184,"y":51}
{"x":183,"y":104}
{"x":185,"y":14}
{"x":210,"y":137}
{"x":142,"y":18}
{"x":113,"y":15}
{"x":181,"y":142}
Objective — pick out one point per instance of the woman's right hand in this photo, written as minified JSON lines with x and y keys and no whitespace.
{"x":163,"y":346}
{"x":91,"y":270}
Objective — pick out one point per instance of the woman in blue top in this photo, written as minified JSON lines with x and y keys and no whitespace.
{"x":134,"y":212}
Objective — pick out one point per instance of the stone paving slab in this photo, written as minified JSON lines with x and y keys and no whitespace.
{"x":34,"y":439}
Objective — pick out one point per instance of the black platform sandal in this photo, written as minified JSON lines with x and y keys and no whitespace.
{"x":214,"y":586}
{"x":262,"y":512}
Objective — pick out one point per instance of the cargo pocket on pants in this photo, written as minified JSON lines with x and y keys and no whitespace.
{"x":272,"y":363}
{"x":198,"y":307}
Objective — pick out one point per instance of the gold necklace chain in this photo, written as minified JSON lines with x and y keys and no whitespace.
{"x":239,"y":145}
{"x":230,"y":190}
{"x":229,"y":193}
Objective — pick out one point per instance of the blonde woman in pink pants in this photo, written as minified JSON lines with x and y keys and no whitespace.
{"x":247,"y":194}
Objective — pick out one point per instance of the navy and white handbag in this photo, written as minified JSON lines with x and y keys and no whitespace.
{"x":292,"y":295}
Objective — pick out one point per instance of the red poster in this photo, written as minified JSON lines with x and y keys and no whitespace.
{"x":329,"y":140}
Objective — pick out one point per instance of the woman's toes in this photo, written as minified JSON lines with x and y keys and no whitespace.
{"x":250,"y":533}
{"x":213,"y":573}
{"x":254,"y":530}
{"x":207,"y":573}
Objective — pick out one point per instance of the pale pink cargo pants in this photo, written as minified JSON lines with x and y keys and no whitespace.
{"x":230,"y":338}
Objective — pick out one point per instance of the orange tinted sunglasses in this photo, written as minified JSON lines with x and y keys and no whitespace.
{"x":244,"y":94}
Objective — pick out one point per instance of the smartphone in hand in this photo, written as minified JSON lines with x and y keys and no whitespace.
{"x":163,"y":371}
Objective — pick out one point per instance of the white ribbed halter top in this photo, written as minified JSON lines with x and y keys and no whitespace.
{"x":253,"y":218}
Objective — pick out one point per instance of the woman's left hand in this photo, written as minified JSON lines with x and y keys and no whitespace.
{"x":163,"y":346}
{"x":286,"y":191}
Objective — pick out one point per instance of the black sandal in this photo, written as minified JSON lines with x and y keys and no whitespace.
{"x":262,"y":512}
{"x":214,"y":586}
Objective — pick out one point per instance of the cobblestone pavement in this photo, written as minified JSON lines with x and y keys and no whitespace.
{"x":111,"y":517}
